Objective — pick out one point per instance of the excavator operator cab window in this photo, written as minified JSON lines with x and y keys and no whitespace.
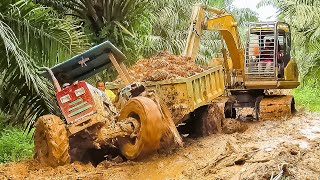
{"x":286,"y":46}
{"x":267,"y":51}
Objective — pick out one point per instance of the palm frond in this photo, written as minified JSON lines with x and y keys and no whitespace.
{"x":32,"y":36}
{"x":173,"y":17}
{"x":24,"y":94}
{"x":44,"y":37}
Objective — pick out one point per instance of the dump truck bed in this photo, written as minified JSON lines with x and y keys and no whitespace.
{"x":184,"y":95}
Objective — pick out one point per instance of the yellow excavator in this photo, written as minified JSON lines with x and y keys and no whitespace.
{"x":264,"y":64}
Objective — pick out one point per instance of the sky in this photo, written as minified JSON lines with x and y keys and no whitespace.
{"x":267,"y":13}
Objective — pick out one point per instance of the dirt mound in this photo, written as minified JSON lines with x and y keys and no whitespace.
{"x":163,"y":66}
{"x":230,"y":126}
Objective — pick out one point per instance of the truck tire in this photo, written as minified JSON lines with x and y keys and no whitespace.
{"x":207,"y":120}
{"x":51,"y":141}
{"x":150,"y":131}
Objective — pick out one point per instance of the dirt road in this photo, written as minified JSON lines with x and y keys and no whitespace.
{"x":289,"y":147}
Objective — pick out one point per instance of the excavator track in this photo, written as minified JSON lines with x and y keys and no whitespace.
{"x":276,"y":107}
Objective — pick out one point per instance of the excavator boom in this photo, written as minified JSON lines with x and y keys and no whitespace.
{"x":221,"y":21}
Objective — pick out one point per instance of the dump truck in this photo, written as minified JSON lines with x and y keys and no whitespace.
{"x":90,"y":127}
{"x":263,"y":64}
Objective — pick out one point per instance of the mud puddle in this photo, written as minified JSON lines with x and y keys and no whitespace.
{"x":289,"y":148}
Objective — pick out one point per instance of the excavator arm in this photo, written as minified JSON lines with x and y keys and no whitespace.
{"x":221,"y":21}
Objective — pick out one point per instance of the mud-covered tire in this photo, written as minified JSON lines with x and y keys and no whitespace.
{"x":51,"y":141}
{"x":150,"y":131}
{"x":207,"y":120}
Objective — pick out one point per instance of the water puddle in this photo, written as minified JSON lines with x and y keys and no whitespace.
{"x":272,"y":144}
{"x":311,"y":132}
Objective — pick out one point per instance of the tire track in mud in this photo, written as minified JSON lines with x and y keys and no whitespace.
{"x":290,"y":147}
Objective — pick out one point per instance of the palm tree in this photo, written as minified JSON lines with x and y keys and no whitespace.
{"x":32,"y":36}
{"x":304,"y":18}
{"x":125,"y":23}
{"x":170,"y":29}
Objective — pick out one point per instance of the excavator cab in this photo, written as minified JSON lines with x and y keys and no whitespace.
{"x":268,"y":63}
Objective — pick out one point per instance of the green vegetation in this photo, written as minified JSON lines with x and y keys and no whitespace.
{"x":15,"y":144}
{"x":32,"y":36}
{"x":308,"y":96}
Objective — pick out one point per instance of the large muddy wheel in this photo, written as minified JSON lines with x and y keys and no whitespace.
{"x":51,"y":141}
{"x":150,"y":129}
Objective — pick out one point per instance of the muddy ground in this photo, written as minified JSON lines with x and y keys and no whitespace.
{"x":289,"y":147}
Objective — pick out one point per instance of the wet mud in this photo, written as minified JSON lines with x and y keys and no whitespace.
{"x":256,"y":150}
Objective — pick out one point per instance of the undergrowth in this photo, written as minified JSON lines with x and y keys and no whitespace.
{"x":15,"y":145}
{"x":308,"y":95}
